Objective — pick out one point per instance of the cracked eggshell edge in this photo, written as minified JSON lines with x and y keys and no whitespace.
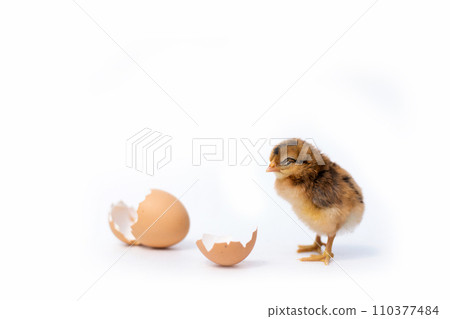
{"x":115,"y":228}
{"x":228,"y":254}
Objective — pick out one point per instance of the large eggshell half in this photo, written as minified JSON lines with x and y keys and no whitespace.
{"x":223,"y":251}
{"x":162,"y":220}
{"x":121,"y":217}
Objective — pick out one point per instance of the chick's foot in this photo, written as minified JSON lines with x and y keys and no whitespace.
{"x":325,"y":257}
{"x":317,"y":246}
{"x":309,"y":248}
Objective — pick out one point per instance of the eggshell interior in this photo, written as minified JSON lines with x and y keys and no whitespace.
{"x":223,"y":251}
{"x":121,"y":217}
{"x":209,"y":240}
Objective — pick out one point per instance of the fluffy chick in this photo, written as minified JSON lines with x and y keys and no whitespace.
{"x":322,"y":194}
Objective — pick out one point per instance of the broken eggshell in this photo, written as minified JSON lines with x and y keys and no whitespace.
{"x":160,"y":221}
{"x":223,"y":251}
{"x":121,"y":218}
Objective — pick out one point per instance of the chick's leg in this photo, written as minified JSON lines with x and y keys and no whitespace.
{"x":327,"y":254}
{"x":316,"y":246}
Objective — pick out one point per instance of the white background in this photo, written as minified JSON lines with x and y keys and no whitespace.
{"x":374,"y":98}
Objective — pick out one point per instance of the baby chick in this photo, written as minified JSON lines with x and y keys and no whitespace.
{"x":322,"y":194}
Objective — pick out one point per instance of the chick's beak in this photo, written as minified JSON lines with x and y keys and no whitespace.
{"x":272,"y":168}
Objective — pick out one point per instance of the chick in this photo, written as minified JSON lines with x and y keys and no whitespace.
{"x":322,"y":194}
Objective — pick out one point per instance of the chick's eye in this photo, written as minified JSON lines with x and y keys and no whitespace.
{"x":288,"y":161}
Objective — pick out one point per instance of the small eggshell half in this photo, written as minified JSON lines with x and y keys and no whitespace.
{"x":225,"y":252}
{"x":121,"y":217}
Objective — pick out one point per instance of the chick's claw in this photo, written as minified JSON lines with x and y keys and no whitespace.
{"x":325,"y":257}
{"x":316,"y":246}
{"x":309,"y":248}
